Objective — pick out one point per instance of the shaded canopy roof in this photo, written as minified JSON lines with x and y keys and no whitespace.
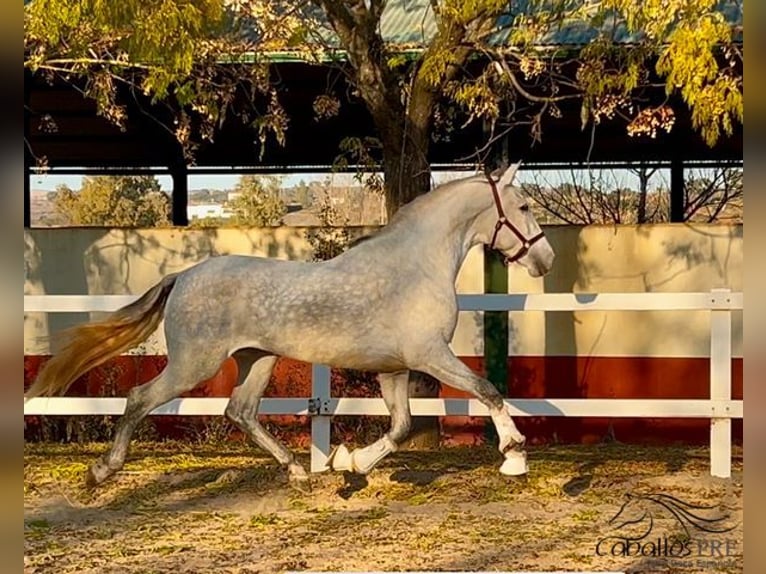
{"x":410,"y":24}
{"x":82,"y":138}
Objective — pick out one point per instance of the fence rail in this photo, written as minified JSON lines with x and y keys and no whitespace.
{"x":700,"y":301}
{"x":720,"y":409}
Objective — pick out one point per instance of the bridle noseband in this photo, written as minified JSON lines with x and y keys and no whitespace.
{"x":502,"y":221}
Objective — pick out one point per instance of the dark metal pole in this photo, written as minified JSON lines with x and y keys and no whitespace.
{"x":496,"y":322}
{"x":677,"y":200}
{"x":27,"y":191}
{"x":28,"y":161}
{"x":180,"y":199}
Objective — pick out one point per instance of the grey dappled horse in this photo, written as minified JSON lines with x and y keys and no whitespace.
{"x":389,"y":305}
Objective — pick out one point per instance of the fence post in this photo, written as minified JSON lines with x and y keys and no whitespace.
{"x":495,"y":332}
{"x":320,"y":423}
{"x":720,"y":381}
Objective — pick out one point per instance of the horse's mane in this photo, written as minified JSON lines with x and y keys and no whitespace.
{"x":405,"y":212}
{"x":432,"y":196}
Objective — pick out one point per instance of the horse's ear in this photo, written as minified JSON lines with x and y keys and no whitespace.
{"x":497,"y":173}
{"x":507,"y":178}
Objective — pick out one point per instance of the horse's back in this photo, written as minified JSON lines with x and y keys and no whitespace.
{"x":353,"y":311}
{"x":311,"y":311}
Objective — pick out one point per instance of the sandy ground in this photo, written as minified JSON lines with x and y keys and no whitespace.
{"x":179,"y":508}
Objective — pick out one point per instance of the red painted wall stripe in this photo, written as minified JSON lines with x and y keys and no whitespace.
{"x":529,"y":377}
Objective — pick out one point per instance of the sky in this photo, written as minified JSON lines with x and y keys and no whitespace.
{"x":49,"y":181}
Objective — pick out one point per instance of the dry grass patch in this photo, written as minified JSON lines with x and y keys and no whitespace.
{"x":228,"y":508}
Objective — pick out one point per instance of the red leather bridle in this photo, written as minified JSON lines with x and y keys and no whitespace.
{"x":502,"y":221}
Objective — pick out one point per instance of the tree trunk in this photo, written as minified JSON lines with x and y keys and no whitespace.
{"x":404,"y":129}
{"x":641,"y":213}
{"x":425,"y":433}
{"x":644,"y":175}
{"x":643,"y":190}
{"x":406,"y":172}
{"x":407,"y":175}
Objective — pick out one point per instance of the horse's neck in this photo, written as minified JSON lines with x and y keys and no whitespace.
{"x":443,"y":229}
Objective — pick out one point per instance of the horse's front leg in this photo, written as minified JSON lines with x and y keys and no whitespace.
{"x":442,"y":364}
{"x":395,"y":390}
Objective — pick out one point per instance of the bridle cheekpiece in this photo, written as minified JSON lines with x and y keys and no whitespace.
{"x":503,"y":221}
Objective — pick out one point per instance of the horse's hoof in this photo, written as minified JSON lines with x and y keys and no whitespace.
{"x":302,"y":485}
{"x":340,"y":459}
{"x":515,"y":463}
{"x":298,"y":478}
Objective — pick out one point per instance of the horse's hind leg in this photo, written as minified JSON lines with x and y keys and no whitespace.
{"x":395,"y":390}
{"x":179,"y":376}
{"x":254,"y":373}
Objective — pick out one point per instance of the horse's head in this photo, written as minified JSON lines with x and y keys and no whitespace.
{"x":512,"y":229}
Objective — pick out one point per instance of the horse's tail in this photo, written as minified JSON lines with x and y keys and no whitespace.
{"x":92,"y":344}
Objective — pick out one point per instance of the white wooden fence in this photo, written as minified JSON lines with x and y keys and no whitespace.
{"x":321,"y":407}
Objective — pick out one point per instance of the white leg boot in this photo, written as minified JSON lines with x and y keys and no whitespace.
{"x":361,"y":460}
{"x":340,"y":459}
{"x":515,"y":463}
{"x":511,"y":441}
{"x":506,"y":430}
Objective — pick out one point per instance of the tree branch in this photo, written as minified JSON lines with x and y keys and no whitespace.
{"x":357,"y":29}
{"x":531,"y":97}
{"x":57,"y":63}
{"x":376,"y":9}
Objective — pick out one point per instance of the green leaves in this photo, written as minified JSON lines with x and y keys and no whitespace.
{"x":467,"y":12}
{"x":114,"y":201}
{"x":195,"y":54}
{"x":161,"y":33}
{"x":690,"y":63}
{"x":153,"y":45}
{"x":256,"y":202}
{"x":478,"y":98}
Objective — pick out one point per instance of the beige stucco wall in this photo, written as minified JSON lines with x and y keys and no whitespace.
{"x":631,"y":259}
{"x":669,"y":258}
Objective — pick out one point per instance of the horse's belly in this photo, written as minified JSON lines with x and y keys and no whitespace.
{"x":368,"y":362}
{"x":348,"y":352}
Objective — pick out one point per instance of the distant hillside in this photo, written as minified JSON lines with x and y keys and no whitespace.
{"x":208,"y":195}
{"x":353,"y":205}
{"x":42,"y":211}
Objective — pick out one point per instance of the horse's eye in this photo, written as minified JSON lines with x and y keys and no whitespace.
{"x":524,"y":207}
